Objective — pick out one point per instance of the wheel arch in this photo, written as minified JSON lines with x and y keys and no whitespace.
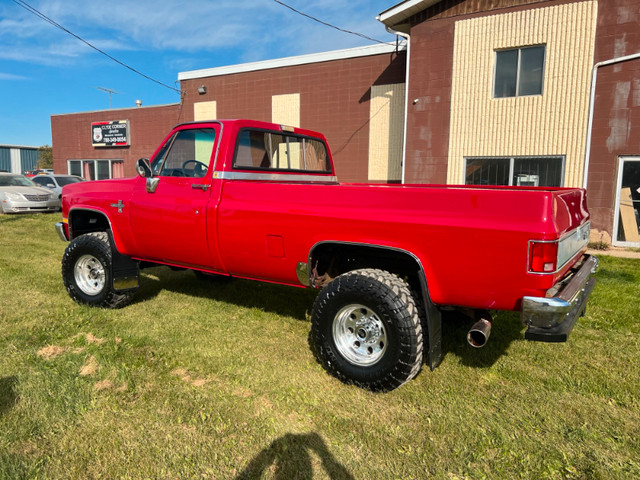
{"x":125,"y":271}
{"x":87,"y":220}
{"x":328,"y":259}
{"x":337,"y":257}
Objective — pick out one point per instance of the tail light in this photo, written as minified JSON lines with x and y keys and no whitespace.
{"x":543,"y":257}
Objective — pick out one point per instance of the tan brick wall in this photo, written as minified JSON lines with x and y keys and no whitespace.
{"x":285,"y":109}
{"x":386,"y":130}
{"x":205,"y":110}
{"x":554,"y":123}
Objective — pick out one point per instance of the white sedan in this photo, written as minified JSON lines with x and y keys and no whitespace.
{"x":18,"y":194}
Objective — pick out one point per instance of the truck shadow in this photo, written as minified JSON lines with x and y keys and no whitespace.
{"x":298,"y":302}
{"x":279,"y":299}
{"x":506,"y":329}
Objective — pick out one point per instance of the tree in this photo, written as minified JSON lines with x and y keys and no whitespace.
{"x":45,"y":157}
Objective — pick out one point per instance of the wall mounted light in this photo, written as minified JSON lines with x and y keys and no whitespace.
{"x":202,"y":89}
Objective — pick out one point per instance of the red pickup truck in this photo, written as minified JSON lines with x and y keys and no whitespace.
{"x":261,"y":201}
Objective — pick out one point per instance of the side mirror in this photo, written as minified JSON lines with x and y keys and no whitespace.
{"x":143,"y":167}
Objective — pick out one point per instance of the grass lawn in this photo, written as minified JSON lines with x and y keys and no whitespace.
{"x":205,"y":380}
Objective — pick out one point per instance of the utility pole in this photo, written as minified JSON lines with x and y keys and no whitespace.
{"x":109,"y":91}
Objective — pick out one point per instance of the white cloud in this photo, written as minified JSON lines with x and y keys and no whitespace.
{"x":11,"y":76}
{"x":257,"y":29}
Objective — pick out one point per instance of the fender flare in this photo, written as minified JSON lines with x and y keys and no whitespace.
{"x":125,"y":272}
{"x":433,"y":320}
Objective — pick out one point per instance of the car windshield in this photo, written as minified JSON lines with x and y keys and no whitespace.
{"x":15,"y":181}
{"x":62,"y":181}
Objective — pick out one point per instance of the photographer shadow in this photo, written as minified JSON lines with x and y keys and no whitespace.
{"x":289,"y":457}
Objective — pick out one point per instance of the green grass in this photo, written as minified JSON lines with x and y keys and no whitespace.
{"x":206,"y":380}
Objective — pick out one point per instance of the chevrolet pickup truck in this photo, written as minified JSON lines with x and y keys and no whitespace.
{"x":261,"y":201}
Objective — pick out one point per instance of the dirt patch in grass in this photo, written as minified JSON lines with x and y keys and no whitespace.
{"x":109,"y":385}
{"x":51,"y":351}
{"x":103,"y":385}
{"x":90,"y":367}
{"x":243,"y":392}
{"x":185,"y":376}
{"x":90,"y":338}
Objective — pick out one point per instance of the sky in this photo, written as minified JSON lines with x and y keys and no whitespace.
{"x":46,"y":71}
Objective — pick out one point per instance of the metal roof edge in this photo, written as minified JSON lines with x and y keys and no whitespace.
{"x":291,"y":61}
{"x":402,"y":11}
{"x":5,"y":145}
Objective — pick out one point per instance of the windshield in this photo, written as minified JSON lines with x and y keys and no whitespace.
{"x":15,"y":181}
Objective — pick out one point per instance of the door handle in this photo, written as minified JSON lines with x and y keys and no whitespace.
{"x":200,"y":186}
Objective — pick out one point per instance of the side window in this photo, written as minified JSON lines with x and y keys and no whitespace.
{"x":519,"y":72}
{"x":262,"y":150}
{"x":186,"y":154}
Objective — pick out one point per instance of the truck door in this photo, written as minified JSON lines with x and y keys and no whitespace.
{"x":170,"y":222}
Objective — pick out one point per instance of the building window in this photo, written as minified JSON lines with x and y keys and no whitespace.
{"x":519,"y":72}
{"x":519,"y":171}
{"x":96,"y":169}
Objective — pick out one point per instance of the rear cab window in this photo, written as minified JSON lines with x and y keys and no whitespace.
{"x":282,"y":152}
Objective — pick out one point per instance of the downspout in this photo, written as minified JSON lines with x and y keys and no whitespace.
{"x":406,"y":97}
{"x":594,"y":78}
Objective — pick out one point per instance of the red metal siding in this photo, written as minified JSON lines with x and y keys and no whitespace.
{"x":429,"y":102}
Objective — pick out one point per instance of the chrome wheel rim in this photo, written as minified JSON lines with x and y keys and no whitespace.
{"x":89,"y":275}
{"x":359,"y":335}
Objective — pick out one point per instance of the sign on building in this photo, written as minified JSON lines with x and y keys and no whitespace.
{"x":110,"y":134}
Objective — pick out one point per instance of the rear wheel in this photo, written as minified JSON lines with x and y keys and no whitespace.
{"x":366,"y":330}
{"x":86,"y":272}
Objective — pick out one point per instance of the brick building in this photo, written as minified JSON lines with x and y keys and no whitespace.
{"x":461,"y":129}
{"x":491,"y":92}
{"x":75,"y":152}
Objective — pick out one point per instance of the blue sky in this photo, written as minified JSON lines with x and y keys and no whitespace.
{"x":45,"y":71}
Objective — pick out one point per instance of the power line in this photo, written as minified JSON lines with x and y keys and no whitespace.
{"x":41,"y":15}
{"x":328,"y":24}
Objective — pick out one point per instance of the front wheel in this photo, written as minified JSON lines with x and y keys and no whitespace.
{"x":86,"y":272}
{"x":366,"y":330}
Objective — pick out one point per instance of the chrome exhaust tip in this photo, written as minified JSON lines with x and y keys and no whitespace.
{"x":479,"y":333}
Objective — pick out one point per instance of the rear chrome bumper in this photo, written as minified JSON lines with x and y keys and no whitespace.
{"x":550,"y":319}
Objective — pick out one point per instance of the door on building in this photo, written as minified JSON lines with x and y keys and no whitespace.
{"x":626,"y":225}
